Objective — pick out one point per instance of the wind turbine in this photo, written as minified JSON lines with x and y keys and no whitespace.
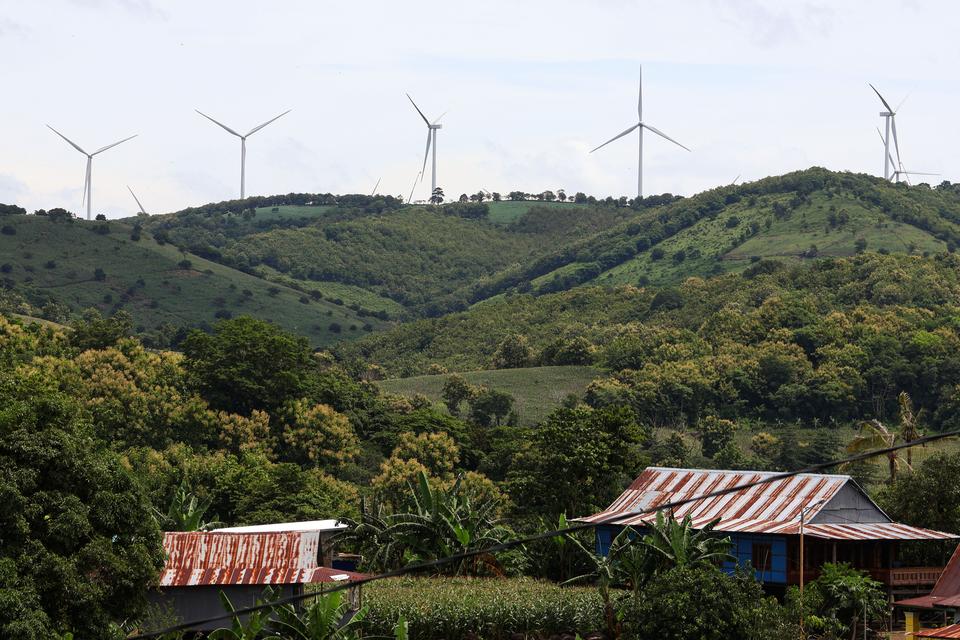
{"x":899,"y":170}
{"x":243,"y":144}
{"x":142,"y":210}
{"x":641,"y":125}
{"x":374,"y":192}
{"x":415,"y":180}
{"x":88,"y":179}
{"x":432,"y":128}
{"x":890,"y":123}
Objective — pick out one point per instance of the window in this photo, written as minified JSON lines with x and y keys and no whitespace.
{"x":762,"y":556}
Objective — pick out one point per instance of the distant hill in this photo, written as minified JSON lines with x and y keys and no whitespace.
{"x":71,"y":265}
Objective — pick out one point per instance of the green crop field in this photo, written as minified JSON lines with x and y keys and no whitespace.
{"x":507,"y":211}
{"x":537,"y":390}
{"x":57,"y":261}
{"x":267,"y":214}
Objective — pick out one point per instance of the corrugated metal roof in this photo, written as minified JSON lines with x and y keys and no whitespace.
{"x":773,"y":507}
{"x":201,"y":558}
{"x":277,"y":527}
{"x":953,"y":631}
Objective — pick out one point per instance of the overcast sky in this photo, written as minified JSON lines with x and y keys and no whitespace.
{"x":754,"y":87}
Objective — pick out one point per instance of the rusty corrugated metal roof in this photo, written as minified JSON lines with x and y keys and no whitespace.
{"x":207,"y":558}
{"x":953,"y":631}
{"x":773,"y":507}
{"x":946,"y":593}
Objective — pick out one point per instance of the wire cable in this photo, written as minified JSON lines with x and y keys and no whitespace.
{"x":510,"y":544}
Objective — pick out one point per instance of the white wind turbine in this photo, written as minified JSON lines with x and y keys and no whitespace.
{"x":899,"y":170}
{"x":641,"y":125}
{"x":890,"y":123}
{"x":375,"y":187}
{"x":432,"y":128}
{"x":243,"y":144}
{"x":88,"y":178}
{"x":142,"y":210}
{"x":415,"y":180}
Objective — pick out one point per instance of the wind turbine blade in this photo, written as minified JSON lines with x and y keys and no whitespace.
{"x":618,"y":136}
{"x":663,"y":135}
{"x":885,"y":104}
{"x":261,"y":126}
{"x":735,"y":180}
{"x":441,"y":115}
{"x":883,"y":141}
{"x":901,"y":103}
{"x":418,"y":109}
{"x":86,"y":179}
{"x":110,"y":146}
{"x":71,"y":142}
{"x":426,"y":153}
{"x":374,"y":192}
{"x":415,"y":179}
{"x":218,"y":123}
{"x":919,"y":173}
{"x":896,"y":144}
{"x":142,"y":210}
{"x":640,"y":97}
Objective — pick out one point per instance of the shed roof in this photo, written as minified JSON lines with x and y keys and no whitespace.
{"x":202,"y":558}
{"x":277,"y":527}
{"x":773,"y":507}
{"x":952,"y":631}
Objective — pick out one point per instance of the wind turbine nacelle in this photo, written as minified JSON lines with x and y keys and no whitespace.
{"x":884,"y":114}
{"x":436,"y":126}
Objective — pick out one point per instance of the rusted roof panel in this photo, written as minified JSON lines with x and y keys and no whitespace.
{"x":772,"y":507}
{"x":953,"y":631}
{"x":946,"y":593}
{"x":201,"y":558}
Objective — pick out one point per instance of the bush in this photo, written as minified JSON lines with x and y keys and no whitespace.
{"x":706,"y":604}
{"x":495,"y":609}
{"x":7,"y":230}
{"x":185,"y":264}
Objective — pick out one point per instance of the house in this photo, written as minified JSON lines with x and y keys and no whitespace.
{"x":943,"y":600}
{"x":840,"y":523}
{"x":200,"y":565}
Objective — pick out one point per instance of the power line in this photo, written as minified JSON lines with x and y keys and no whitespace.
{"x":503,"y":546}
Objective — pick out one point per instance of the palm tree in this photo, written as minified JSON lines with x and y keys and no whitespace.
{"x":873,"y":435}
{"x":909,"y":427}
{"x":678,"y":544}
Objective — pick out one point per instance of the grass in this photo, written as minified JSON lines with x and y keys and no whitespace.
{"x":507,"y":211}
{"x":537,"y":390}
{"x":57,"y":261}
{"x":267,"y":214}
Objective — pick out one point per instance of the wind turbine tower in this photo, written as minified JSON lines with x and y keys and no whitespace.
{"x":890,"y":123}
{"x":243,"y":144}
{"x":142,"y":210}
{"x":88,"y":178}
{"x":641,"y":125}
{"x":432,"y":128}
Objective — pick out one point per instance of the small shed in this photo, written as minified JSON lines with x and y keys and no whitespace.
{"x":201,"y":565}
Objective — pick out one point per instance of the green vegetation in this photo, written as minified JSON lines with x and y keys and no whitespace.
{"x":110,"y":272}
{"x":438,"y":609}
{"x":536,"y":390}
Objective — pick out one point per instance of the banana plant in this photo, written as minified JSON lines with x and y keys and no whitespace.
{"x":328,"y":618}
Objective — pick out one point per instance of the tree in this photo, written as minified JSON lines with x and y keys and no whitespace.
{"x":577,"y":460}
{"x":489,"y":405}
{"x":513,"y":352}
{"x":97,"y":332}
{"x":456,"y":390}
{"x":839,"y":600}
{"x":79,"y":545}
{"x":716,"y":433}
{"x":561,"y":195}
{"x":873,"y":435}
{"x":438,"y":452}
{"x":436,"y":197}
{"x":463,"y":198}
{"x":248,"y":364}
{"x":317,"y":435}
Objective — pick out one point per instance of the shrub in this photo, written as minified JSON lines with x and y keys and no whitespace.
{"x":185,"y":264}
{"x":7,"y":230}
{"x":99,"y":274}
{"x":50,"y":264}
{"x":6,"y":267}
{"x":496,"y":609}
{"x":335,"y":327}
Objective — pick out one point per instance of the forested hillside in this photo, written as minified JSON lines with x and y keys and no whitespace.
{"x":58,"y":267}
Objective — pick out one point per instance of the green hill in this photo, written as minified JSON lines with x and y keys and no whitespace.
{"x":792,"y":218}
{"x":69,"y":266}
{"x":536,"y":390}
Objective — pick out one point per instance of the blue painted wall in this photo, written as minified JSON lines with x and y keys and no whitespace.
{"x":742,"y":549}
